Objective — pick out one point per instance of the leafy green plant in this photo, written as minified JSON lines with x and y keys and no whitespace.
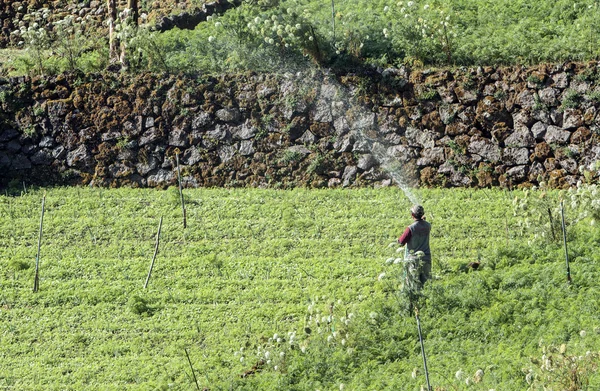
{"x":290,"y":157}
{"x":571,"y":100}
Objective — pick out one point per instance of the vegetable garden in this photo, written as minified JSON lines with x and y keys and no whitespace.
{"x":290,"y":290}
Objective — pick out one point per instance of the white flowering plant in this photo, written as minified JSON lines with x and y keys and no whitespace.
{"x":420,"y":30}
{"x":539,"y":212}
{"x":557,"y":369}
{"x":402,"y":278}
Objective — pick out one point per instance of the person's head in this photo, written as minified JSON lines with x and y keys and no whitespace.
{"x":417,"y":212}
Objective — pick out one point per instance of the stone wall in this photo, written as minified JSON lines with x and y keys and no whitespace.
{"x":464,"y":127}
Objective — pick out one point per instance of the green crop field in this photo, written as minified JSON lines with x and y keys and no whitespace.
{"x":290,"y":290}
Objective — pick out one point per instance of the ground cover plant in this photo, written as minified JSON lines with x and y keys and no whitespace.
{"x":342,"y":33}
{"x":290,"y":290}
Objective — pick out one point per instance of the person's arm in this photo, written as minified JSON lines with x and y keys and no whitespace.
{"x":405,"y":237}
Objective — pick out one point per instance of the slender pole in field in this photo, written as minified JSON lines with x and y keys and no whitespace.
{"x":564,"y":229}
{"x":192,"y":367}
{"x":36,"y":279}
{"x":422,"y":348}
{"x":333,"y":17}
{"x":180,"y":190}
{"x":155,"y":252}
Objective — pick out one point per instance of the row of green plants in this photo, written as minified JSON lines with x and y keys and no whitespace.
{"x":343,"y":33}
{"x":296,"y":290}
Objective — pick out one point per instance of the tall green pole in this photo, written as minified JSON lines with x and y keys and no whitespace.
{"x":36,"y":279}
{"x":564,"y":229}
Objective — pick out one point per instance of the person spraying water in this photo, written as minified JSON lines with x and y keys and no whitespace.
{"x":416,"y":238}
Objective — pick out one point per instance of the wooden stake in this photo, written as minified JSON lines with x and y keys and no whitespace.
{"x":564,"y":229}
{"x":36,"y":279}
{"x":181,"y":191}
{"x":155,"y":252}
{"x":192,"y":367}
{"x":422,"y":349}
{"x":333,"y":18}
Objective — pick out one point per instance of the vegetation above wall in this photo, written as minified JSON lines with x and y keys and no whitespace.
{"x":290,"y":33}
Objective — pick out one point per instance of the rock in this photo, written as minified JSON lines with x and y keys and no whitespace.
{"x":447,"y":94}
{"x":301,"y":149}
{"x":220,"y":132}
{"x":517,"y":173}
{"x":363,"y":121}
{"x":307,"y":138}
{"x":572,"y":118}
{"x":43,"y":157}
{"x":538,"y":130}
{"x":556,"y":116}
{"x":491,"y":111}
{"x":151,"y":163}
{"x":20,"y":162}
{"x":4,"y":160}
{"x":465,"y":96}
{"x":431,"y":157}
{"x":341,"y":126}
{"x":13,"y":146}
{"x":8,"y":135}
{"x":349,"y":175}
{"x":548,"y":96}
{"x":59,"y":152}
{"x":80,"y":157}
{"x":515,"y":156}
{"x":448,"y":113}
{"x":244,"y":132}
{"x":561,"y":80}
{"x":366,"y":162}
{"x":162,"y":178}
{"x":554,"y":134}
{"x":402,"y":153}
{"x":486,"y":149}
{"x":333,"y":182}
{"x":455,"y":177}
{"x":581,"y":135}
{"x":344,"y":144}
{"x":536,"y":172}
{"x":151,"y":135}
{"x":526,"y":99}
{"x":420,"y":138}
{"x":322,"y":111}
{"x":227,"y":152}
{"x":246,"y":147}
{"x":569,"y":165}
{"x":228,"y":114}
{"x":541,"y":152}
{"x":589,"y":116}
{"x":522,"y":138}
{"x":149,"y":123}
{"x":179,"y":138}
{"x":57,"y":109}
{"x":201,"y":120}
{"x":191,"y":156}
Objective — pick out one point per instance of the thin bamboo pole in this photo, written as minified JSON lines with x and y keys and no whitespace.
{"x":192,"y":367}
{"x":422,"y":348}
{"x":333,"y":18}
{"x":564,"y":229}
{"x":155,"y":252}
{"x":181,"y":191}
{"x":36,"y":279}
